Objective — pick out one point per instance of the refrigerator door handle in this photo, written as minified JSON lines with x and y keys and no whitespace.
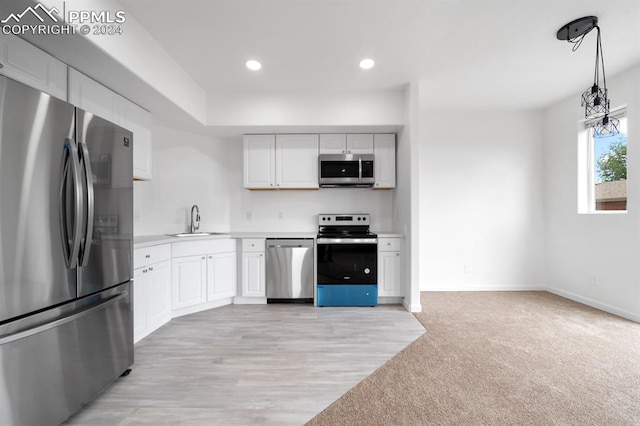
{"x":70,"y":243}
{"x":48,"y":326}
{"x":85,"y":247}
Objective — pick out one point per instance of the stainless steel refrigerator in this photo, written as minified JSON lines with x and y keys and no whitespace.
{"x":66,"y":242}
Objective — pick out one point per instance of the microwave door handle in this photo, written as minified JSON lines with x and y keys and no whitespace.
{"x":359,"y":169}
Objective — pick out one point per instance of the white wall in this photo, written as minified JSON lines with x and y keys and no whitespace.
{"x":188,"y":169}
{"x":406,"y":198}
{"x":481,"y":201}
{"x":584,"y":248}
{"x":297,"y":210}
{"x":385,"y":107}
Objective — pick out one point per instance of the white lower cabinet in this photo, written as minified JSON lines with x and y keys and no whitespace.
{"x":390,"y":267}
{"x":221,"y":276}
{"x":253,"y":271}
{"x":151,"y":290}
{"x":253,"y":275}
{"x":204,"y":275}
{"x":189,"y":281}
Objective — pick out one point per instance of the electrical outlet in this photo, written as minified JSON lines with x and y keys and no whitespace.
{"x":280,"y":215}
{"x":467,"y":268}
{"x":248,"y":215}
{"x":594,"y":281}
{"x":136,"y":216}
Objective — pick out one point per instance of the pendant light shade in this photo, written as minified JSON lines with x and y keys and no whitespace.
{"x":595,"y":102}
{"x":608,"y":126}
{"x":595,"y":99}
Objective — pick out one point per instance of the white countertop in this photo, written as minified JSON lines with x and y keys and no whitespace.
{"x":389,"y":235}
{"x":141,"y":241}
{"x":274,"y":234}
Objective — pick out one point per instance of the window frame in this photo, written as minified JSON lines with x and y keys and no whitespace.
{"x":586,"y":164}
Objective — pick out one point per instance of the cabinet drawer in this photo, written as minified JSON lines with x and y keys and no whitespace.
{"x":253,"y":244}
{"x":389,"y":244}
{"x":148,"y":255}
{"x":194,"y":248}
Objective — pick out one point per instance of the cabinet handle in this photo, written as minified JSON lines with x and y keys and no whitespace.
{"x":147,"y":256}
{"x":210,"y":257}
{"x":397,"y":254}
{"x":144,"y":271}
{"x":204,"y":257}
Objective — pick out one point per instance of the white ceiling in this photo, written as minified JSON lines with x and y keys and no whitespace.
{"x":466,"y":53}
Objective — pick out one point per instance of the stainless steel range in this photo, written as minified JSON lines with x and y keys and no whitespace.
{"x":347,"y":261}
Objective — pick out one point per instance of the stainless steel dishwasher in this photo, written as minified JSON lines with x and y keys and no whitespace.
{"x":289,"y":270}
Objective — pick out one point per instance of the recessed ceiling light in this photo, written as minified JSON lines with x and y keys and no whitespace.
{"x":253,"y":65}
{"x":367,"y":63}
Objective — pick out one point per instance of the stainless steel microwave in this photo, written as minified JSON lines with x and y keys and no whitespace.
{"x":345,"y":170}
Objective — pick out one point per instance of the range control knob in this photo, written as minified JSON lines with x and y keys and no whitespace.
{"x":367,"y":271}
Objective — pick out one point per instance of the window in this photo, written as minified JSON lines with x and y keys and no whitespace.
{"x":603,"y":168}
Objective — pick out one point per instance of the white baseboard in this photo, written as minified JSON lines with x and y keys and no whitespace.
{"x":240,"y":300}
{"x":413,"y":307}
{"x":389,"y":300}
{"x":488,"y":287}
{"x":595,"y":304}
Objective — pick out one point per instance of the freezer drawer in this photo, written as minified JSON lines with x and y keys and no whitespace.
{"x":289,"y":270}
{"x":55,"y":362}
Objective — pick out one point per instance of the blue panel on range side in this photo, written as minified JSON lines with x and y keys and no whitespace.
{"x":347,"y":294}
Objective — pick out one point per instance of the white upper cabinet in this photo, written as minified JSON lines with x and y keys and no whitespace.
{"x":281,"y":161}
{"x":352,"y":143}
{"x":297,"y":161}
{"x":93,"y":97}
{"x":385,"y":161}
{"x":333,"y":143}
{"x":359,"y":143}
{"x":29,"y":65}
{"x":137,"y":120}
{"x":259,"y":161}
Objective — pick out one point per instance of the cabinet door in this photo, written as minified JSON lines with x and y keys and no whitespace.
{"x":92,"y":96}
{"x":159,"y":296}
{"x":333,"y":143}
{"x":221,"y":276}
{"x":259,"y":161}
{"x":385,"y":161}
{"x":253,"y":277}
{"x":137,"y":120}
{"x":189,"y":281}
{"x":389,"y":278}
{"x":141,"y":282}
{"x":29,"y":65}
{"x":297,"y":161}
{"x":360,"y":143}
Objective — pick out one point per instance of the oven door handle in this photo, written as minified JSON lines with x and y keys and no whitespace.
{"x":347,"y":241}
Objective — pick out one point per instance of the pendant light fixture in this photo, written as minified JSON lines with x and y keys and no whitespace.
{"x":595,"y":99}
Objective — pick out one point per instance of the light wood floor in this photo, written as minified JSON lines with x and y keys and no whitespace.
{"x":252,"y":364}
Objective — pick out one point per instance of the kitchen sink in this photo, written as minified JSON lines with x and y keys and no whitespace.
{"x":197,"y":234}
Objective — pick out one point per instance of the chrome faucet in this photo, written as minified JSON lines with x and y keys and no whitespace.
{"x":195,"y":221}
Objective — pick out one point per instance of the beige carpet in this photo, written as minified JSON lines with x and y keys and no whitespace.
{"x":503,"y":358}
